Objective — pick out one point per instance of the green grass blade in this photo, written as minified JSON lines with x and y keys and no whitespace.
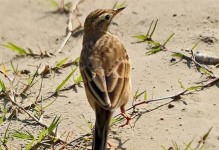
{"x":203,"y":140}
{"x":54,"y":3}
{"x":188,"y":146}
{"x":137,"y":95}
{"x":15,"y":48}
{"x":163,"y":147}
{"x":155,"y":44}
{"x":2,"y":86}
{"x":4,"y":70}
{"x":194,"y":88}
{"x":61,"y":62}
{"x":196,"y":44}
{"x":176,"y":147}
{"x":178,"y":55}
{"x":65,"y":80}
{"x":29,"y":80}
{"x":155,"y":25}
{"x":154,"y":50}
{"x":53,"y":125}
{"x":120,"y":5}
{"x":149,"y":28}
{"x":164,"y":44}
{"x":23,"y":135}
{"x":41,"y":135}
{"x":140,"y":37}
{"x":207,"y":134}
{"x":181,"y":85}
{"x":145,"y":95}
{"x":88,"y":122}
{"x":77,"y":60}
{"x":116,"y":120}
{"x":204,"y":71}
{"x":78,"y":80}
{"x":29,"y":146}
{"x":15,"y":70}
{"x":68,"y":5}
{"x":115,"y":4}
{"x":5,"y":138}
{"x":3,"y":117}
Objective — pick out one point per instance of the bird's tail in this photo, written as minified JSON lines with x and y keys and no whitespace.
{"x":101,"y":128}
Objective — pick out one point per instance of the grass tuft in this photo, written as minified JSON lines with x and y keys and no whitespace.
{"x":188,"y":146}
{"x":154,"y":46}
{"x":15,"y":48}
{"x":118,"y":5}
{"x":65,"y":80}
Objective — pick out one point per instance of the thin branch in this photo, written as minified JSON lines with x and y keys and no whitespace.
{"x":12,"y":98}
{"x":176,"y":96}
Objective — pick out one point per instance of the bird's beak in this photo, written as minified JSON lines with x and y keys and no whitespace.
{"x":118,"y":10}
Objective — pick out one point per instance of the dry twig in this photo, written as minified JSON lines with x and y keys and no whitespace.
{"x":70,"y":30}
{"x":176,"y":96}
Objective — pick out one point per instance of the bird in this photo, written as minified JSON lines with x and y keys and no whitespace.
{"x":105,"y":70}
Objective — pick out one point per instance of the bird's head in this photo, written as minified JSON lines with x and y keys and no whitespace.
{"x":100,"y":19}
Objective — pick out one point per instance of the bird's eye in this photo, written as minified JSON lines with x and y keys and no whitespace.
{"x":107,"y":17}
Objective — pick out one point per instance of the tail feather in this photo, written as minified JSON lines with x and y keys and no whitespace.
{"x":101,"y":128}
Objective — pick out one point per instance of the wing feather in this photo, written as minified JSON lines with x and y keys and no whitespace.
{"x":106,"y":71}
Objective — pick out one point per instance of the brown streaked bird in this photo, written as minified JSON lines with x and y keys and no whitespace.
{"x":105,"y":69}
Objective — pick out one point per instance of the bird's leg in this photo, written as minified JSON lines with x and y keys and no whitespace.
{"x":125,"y":115}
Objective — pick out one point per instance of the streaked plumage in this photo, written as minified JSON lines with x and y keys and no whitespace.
{"x":105,"y":69}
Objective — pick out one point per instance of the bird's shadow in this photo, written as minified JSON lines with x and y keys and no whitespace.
{"x":138,"y":116}
{"x":120,"y":142}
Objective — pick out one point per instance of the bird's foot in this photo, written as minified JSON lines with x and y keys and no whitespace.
{"x":127,"y":117}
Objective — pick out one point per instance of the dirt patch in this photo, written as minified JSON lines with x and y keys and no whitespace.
{"x":30,"y":24}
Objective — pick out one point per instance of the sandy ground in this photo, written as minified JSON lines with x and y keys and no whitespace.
{"x":30,"y":24}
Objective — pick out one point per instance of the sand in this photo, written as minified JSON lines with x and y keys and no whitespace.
{"x":30,"y":24}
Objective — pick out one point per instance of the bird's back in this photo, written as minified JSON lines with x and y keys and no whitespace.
{"x":107,"y":68}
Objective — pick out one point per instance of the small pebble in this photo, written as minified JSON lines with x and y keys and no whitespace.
{"x":134,"y":12}
{"x":171,"y":106}
{"x":170,"y":148}
{"x":172,"y":59}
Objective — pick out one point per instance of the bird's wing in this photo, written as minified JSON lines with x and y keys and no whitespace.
{"x":107,"y":72}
